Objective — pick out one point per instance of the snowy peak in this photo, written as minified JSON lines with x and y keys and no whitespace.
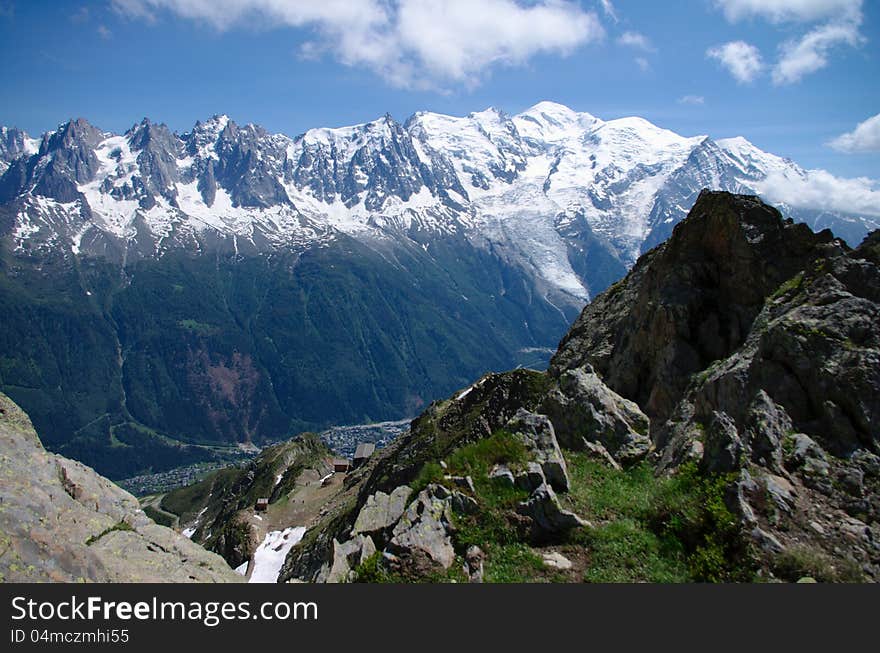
{"x":533,"y":185}
{"x":15,"y":143}
{"x":549,"y":122}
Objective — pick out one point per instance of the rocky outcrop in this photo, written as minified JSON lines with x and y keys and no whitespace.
{"x":689,"y":301}
{"x":381,"y":511}
{"x":62,"y":522}
{"x":346,"y":557}
{"x":424,"y":529}
{"x":537,"y":433}
{"x":582,"y":408}
{"x":548,"y":517}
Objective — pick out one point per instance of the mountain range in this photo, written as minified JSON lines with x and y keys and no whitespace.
{"x":231,"y":285}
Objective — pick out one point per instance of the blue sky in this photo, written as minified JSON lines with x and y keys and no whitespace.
{"x":790,"y":75}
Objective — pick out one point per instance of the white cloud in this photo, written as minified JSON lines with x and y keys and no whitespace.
{"x":417,"y":43}
{"x":104,"y":32}
{"x":635,"y":40}
{"x":457,"y":39}
{"x":742,"y":59}
{"x":819,"y":189}
{"x":779,"y":11}
{"x":608,"y":9}
{"x":643,"y":64}
{"x":839,"y":22}
{"x":692,"y":99}
{"x":808,"y":54}
{"x":864,"y":138}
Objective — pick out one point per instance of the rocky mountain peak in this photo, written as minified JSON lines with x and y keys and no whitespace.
{"x":691,"y":300}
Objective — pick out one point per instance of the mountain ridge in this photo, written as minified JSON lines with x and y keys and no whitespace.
{"x":486,"y":174}
{"x":235,"y":284}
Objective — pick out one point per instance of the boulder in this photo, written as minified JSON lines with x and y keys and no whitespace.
{"x":425,"y":527}
{"x":463,"y":504}
{"x":381,"y":511}
{"x":462,"y":482}
{"x":536,"y":432}
{"x":582,"y":408}
{"x":767,"y":426}
{"x":348,"y":555}
{"x":598,"y":452}
{"x":724,"y":450}
{"x":531,"y":478}
{"x":548,"y":517}
{"x":556,"y":560}
{"x":502,"y":472}
{"x":473,"y":566}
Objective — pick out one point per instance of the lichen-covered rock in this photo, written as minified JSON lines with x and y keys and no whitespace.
{"x":548,"y":517}
{"x":425,"y":528}
{"x":530,"y":478}
{"x":536,"y":432}
{"x":582,"y":407}
{"x":346,"y":556}
{"x":381,"y":511}
{"x":60,"y":521}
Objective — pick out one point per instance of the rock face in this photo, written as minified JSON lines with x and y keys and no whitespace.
{"x":62,"y":522}
{"x":381,"y":511}
{"x":424,"y":528}
{"x":583,"y":408}
{"x":538,"y":435}
{"x":690,"y":301}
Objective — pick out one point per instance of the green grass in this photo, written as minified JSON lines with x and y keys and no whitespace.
{"x":512,"y":563}
{"x":118,"y":526}
{"x":667,"y":529}
{"x":659,"y":529}
{"x":479,"y":458}
{"x":372,"y":570}
{"x":793,"y":284}
{"x":802,"y":560}
{"x":625,"y":551}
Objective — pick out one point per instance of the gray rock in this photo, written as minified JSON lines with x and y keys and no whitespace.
{"x":582,"y":407}
{"x":62,"y":522}
{"x":852,"y":480}
{"x":798,"y":448}
{"x":348,"y":555}
{"x":547,"y":516}
{"x":766,"y":541}
{"x":597,"y":451}
{"x":556,"y":560}
{"x":736,"y":498}
{"x":463,"y":504}
{"x":473,"y":567}
{"x":424,"y":527}
{"x":503,"y":472}
{"x":724,"y":450}
{"x":381,"y":511}
{"x":463,"y":482}
{"x":780,"y":492}
{"x":536,"y":432}
{"x":767,"y":426}
{"x":531,"y":478}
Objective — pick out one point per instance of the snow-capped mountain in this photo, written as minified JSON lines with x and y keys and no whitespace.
{"x":544,"y":187}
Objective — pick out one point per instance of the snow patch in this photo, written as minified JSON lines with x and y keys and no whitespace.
{"x":269,"y":556}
